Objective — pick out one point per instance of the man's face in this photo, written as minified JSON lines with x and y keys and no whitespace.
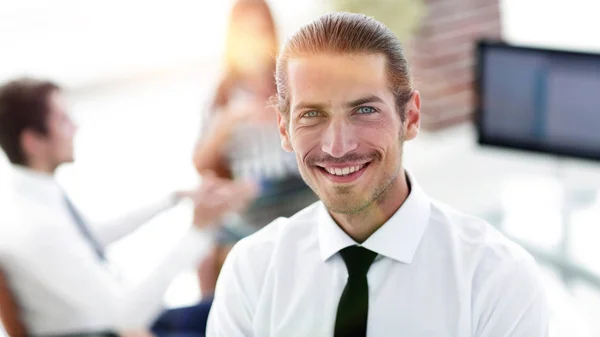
{"x":61,"y":131}
{"x":345,"y":128}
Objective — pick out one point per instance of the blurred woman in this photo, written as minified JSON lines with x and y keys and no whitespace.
{"x":240,"y":139}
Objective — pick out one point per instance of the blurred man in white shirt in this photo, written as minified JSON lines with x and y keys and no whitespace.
{"x":376,"y":256}
{"x":52,"y":259}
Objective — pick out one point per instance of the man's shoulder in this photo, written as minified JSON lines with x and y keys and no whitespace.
{"x":494,"y":264}
{"x":477,"y":236}
{"x":504,"y":278}
{"x":259,"y":247}
{"x":24,"y":222}
{"x":280,"y":227}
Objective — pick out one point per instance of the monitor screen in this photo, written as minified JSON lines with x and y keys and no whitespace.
{"x":538,"y":99}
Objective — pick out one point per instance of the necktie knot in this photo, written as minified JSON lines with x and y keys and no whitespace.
{"x":358,"y":260}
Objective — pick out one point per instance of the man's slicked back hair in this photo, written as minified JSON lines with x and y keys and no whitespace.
{"x":346,"y":33}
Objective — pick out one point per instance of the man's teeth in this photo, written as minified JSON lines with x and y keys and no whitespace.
{"x":344,"y":171}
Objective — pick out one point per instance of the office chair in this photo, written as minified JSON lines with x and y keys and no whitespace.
{"x":9,"y":310}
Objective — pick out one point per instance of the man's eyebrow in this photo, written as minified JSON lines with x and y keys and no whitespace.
{"x":363,"y":100}
{"x":310,"y":106}
{"x":351,"y":104}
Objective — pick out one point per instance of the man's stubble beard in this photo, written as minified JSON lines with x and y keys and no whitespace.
{"x":377,"y":195}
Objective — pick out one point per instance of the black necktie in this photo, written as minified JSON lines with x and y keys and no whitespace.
{"x":353,"y":309}
{"x":85,"y":231}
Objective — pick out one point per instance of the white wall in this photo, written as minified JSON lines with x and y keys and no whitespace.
{"x":571,"y":24}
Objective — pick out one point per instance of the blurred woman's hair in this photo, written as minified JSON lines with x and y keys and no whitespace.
{"x":250,"y":48}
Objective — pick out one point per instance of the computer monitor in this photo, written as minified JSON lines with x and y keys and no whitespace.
{"x":538,"y":99}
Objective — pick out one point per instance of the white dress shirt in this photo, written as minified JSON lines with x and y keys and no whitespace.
{"x":58,"y":280}
{"x":438,"y":273}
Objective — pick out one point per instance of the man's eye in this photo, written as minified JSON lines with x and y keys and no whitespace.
{"x":313,"y":113}
{"x":366,"y":110}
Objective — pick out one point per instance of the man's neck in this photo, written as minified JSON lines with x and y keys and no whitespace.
{"x":362,"y":225}
{"x":42,"y":168}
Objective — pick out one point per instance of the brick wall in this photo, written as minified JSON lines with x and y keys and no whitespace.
{"x":441,"y":54}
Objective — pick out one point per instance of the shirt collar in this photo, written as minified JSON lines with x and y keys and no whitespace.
{"x":33,"y":183}
{"x":397,"y":239}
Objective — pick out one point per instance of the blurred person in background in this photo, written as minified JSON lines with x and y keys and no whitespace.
{"x":240,"y":138}
{"x":377,"y":257}
{"x":56,"y":279}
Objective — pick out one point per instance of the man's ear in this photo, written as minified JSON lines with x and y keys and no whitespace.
{"x":283,"y":123}
{"x":30,"y":142}
{"x":413,"y":116}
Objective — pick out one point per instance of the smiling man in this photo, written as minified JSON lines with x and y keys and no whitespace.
{"x":376,"y":256}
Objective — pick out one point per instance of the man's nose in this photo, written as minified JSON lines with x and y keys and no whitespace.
{"x":339,"y":138}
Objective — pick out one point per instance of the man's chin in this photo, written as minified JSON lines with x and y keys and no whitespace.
{"x":69,"y":160}
{"x":346,"y":207}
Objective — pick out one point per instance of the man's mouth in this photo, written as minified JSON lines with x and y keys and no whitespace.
{"x":343,"y":172}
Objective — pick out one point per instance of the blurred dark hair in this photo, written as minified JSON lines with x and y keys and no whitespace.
{"x":23,"y":105}
{"x":241,"y":10}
